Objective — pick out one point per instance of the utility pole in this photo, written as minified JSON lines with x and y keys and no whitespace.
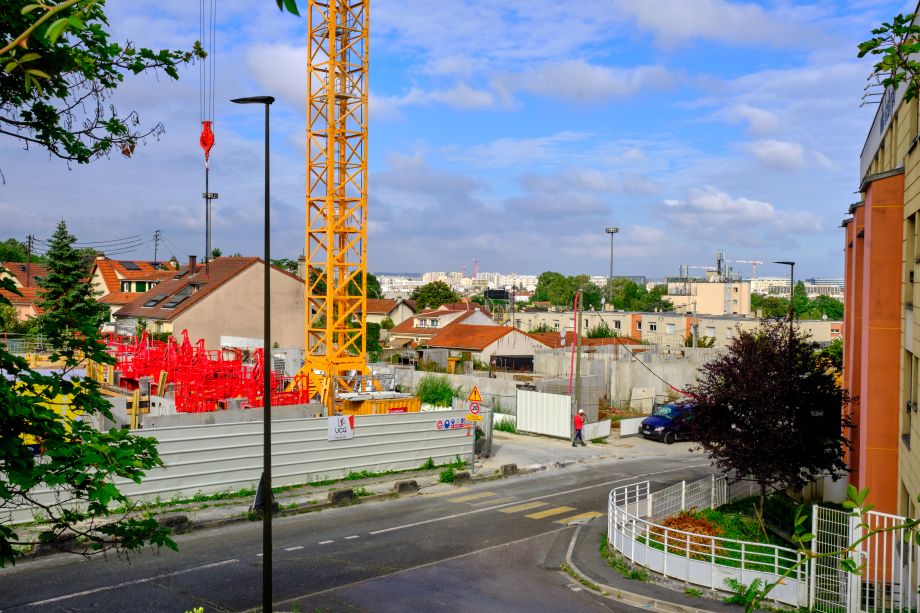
{"x":156,"y":243}
{"x":611,"y":231}
{"x":29,"y":240}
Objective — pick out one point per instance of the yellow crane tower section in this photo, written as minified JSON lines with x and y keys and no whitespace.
{"x":336,"y":230}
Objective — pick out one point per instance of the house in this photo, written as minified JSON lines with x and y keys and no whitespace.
{"x":397,"y":310}
{"x":119,"y":282}
{"x":225,"y":303}
{"x":25,"y":278}
{"x":419,"y":328}
{"x":488,"y":344}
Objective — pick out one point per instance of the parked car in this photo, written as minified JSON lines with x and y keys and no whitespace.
{"x":670,"y":422}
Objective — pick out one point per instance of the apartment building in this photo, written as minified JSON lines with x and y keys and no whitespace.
{"x":710,"y":297}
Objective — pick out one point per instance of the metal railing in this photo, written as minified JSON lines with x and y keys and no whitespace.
{"x":634,"y":530}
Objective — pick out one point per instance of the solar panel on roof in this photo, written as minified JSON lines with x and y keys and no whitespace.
{"x":22,"y":267}
{"x":174,"y":301}
{"x":128,"y":265}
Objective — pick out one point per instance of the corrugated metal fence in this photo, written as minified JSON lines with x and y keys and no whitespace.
{"x":227,"y":457}
{"x":549,"y":414}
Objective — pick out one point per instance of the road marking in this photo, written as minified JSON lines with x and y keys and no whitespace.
{"x":325,"y":542}
{"x":553,"y":495}
{"x":473,"y":497}
{"x":523,"y":507}
{"x":353,"y":536}
{"x":550,"y":512}
{"x":497,"y":501}
{"x":127,"y":583}
{"x":413,"y":568}
{"x":588,"y":515}
{"x":259,"y":555}
{"x":293,"y":548}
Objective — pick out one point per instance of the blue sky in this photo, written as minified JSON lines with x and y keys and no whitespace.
{"x":511,"y":132}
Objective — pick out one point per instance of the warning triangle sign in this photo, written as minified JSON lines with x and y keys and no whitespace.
{"x":475,"y":396}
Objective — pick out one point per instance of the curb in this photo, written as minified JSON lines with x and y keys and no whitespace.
{"x":621,"y":595}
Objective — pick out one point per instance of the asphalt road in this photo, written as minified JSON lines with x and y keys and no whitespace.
{"x":489,"y":547}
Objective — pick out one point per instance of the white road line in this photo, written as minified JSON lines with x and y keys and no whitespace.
{"x":353,"y":536}
{"x":293,"y":548}
{"x":553,"y":495}
{"x":259,"y":555}
{"x":127,"y":583}
{"x":325,"y":542}
{"x":406,"y":570}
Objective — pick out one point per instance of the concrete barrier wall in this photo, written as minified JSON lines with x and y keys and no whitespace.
{"x":227,"y":457}
{"x":630,"y":427}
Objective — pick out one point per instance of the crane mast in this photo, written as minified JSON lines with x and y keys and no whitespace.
{"x":336,"y":198}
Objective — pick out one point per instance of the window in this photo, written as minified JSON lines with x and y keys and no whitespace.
{"x":669,"y":328}
{"x":180,"y":274}
{"x":140,"y":286}
{"x":616,"y":325}
{"x":638,"y":325}
{"x":555,"y":325}
{"x":155,"y":300}
{"x":652,"y":327}
{"x":711,"y":331}
{"x":126,"y":286}
{"x":179,"y":296}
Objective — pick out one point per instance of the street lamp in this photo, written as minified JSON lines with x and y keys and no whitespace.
{"x":267,"y":500}
{"x":611,"y":231}
{"x":791,"y":266}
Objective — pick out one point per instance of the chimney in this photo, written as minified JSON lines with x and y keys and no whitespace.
{"x":302,"y":267}
{"x":192,"y":264}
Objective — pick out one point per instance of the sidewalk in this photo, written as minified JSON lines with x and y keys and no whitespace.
{"x":660,"y":594}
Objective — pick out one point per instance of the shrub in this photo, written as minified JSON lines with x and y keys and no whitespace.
{"x":506,"y":426}
{"x":447,"y":475}
{"x":436,"y":390}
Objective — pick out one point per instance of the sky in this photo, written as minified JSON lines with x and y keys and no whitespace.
{"x":510,"y":132}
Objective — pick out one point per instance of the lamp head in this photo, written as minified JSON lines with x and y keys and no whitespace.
{"x":786,"y":263}
{"x":254,"y":100}
{"x":611,"y":230}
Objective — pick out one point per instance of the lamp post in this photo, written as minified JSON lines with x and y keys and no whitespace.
{"x":267,"y":499}
{"x":791,"y":266}
{"x":611,"y":231}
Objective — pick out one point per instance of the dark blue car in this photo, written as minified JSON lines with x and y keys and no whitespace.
{"x":670,"y":422}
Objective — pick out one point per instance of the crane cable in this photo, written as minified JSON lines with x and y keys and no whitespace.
{"x":207,"y":25}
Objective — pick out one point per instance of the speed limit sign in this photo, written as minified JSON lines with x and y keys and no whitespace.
{"x":474,"y":408}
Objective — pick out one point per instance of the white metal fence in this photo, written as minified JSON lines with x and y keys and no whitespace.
{"x":540,"y":413}
{"x":695,"y":558}
{"x":225,"y":457}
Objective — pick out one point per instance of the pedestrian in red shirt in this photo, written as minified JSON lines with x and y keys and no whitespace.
{"x":579,"y":425}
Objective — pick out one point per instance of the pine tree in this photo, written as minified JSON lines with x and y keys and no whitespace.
{"x":40,"y":448}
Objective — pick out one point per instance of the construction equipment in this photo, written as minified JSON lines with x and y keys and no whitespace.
{"x":754,"y":264}
{"x":336,"y":234}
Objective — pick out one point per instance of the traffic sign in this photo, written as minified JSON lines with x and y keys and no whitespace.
{"x":475,"y":396}
{"x":472,"y":417}
{"x":474,"y":408}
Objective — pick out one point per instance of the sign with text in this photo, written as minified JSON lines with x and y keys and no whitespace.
{"x":341,"y":427}
{"x":473,"y":417}
{"x":474,"y":408}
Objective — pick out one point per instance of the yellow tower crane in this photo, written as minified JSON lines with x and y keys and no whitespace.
{"x":336,"y":235}
{"x":335,"y":360}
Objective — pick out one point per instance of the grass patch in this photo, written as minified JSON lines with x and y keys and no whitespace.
{"x":360,"y":491}
{"x":506,"y":426}
{"x":585,"y":582}
{"x":601,"y":440}
{"x":620,"y":563}
{"x":428,"y":465}
{"x":436,"y":390}
{"x":693,"y":592}
{"x":447,"y":475}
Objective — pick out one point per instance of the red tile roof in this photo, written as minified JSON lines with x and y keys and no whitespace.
{"x":24,"y":273}
{"x":29,"y":296}
{"x":119,"y":297}
{"x":473,"y":337}
{"x":113,"y":271}
{"x":380,"y":306}
{"x":222,"y":270}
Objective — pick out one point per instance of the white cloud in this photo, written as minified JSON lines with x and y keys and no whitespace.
{"x":777,"y":154}
{"x":583,"y":82}
{"x":760,"y":121}
{"x":740,"y":23}
{"x":710,"y":212}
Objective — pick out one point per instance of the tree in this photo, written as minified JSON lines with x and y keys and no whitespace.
{"x":833,"y":352}
{"x":704,"y":342}
{"x":434,"y":294}
{"x":821,"y":306}
{"x":770,"y":307}
{"x":897,"y":42}
{"x":373,"y":287}
{"x":770,"y":410}
{"x":387,"y":324}
{"x":627,"y":295}
{"x":372,"y":338}
{"x":542,"y":328}
{"x":799,"y":299}
{"x":60,"y":68}
{"x":602,"y":330}
{"x":40,"y":447}
{"x":216,"y":253}
{"x":286,"y":264}
{"x":11,"y":250}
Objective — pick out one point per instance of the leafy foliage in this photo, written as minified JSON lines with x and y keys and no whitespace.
{"x":896,"y":44}
{"x":541,"y":328}
{"x":629,"y":296}
{"x":436,"y":390}
{"x":770,"y":410}
{"x":65,"y":452}
{"x":602,"y":330}
{"x":833,"y":352}
{"x":776,"y":307}
{"x":387,"y":323}
{"x":11,"y":250}
{"x":56,"y":83}
{"x":434,"y":294}
{"x":701,"y":341}
{"x":560,"y":290}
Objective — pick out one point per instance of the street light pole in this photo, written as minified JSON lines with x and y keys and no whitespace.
{"x":611,"y":231}
{"x":791,"y":266}
{"x":267,"y":498}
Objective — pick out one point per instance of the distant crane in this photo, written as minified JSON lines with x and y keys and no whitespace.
{"x":753,"y":263}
